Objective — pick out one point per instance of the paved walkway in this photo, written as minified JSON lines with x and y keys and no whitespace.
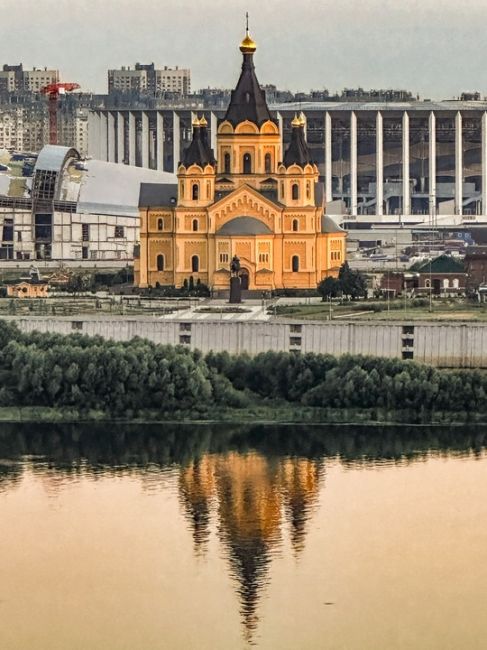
{"x":221,"y":310}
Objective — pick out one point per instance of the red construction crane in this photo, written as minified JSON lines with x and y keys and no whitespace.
{"x":53,"y":91}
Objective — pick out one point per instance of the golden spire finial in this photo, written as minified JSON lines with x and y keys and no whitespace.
{"x":296,"y":121}
{"x":196,"y":121}
{"x":203,"y":121}
{"x":247,"y":46}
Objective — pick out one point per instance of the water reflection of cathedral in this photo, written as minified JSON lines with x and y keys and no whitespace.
{"x":253,"y":499}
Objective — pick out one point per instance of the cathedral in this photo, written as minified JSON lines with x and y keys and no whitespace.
{"x":252,"y":200}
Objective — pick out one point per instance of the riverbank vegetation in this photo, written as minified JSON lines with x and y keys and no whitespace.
{"x":90,"y":377}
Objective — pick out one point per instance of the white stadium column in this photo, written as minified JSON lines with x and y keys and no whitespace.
{"x":379,"y":163}
{"x":111,"y":136}
{"x":213,"y":132}
{"x":120,"y":137}
{"x":176,"y":140}
{"x":458,"y":164}
{"x":406,"y":188}
{"x":280,"y":122}
{"x":104,"y":136}
{"x":328,"y":160}
{"x":432,"y":165}
{"x":353,"y":163}
{"x":484,"y":163}
{"x":132,"y":139}
{"x":144,"y":142}
{"x":160,"y":141}
{"x":94,"y":134}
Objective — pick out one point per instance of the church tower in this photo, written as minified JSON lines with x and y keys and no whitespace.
{"x":298,"y":175}
{"x":249,"y":144}
{"x":196,"y":173}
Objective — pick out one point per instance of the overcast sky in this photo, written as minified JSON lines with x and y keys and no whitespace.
{"x":437,"y":49}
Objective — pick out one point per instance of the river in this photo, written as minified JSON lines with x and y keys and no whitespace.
{"x":176,"y":537}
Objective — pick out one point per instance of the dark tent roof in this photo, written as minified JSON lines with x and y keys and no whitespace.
{"x":248,"y":101}
{"x":158,"y":195}
{"x":441,"y":264}
{"x":328,"y":225}
{"x":199,"y":151}
{"x":297,"y":153}
{"x":244,"y":226}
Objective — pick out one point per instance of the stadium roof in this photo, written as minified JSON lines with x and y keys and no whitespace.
{"x":53,"y":157}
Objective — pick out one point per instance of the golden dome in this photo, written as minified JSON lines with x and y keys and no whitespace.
{"x":196,"y":122}
{"x":203,"y":121}
{"x":248,"y":46}
{"x":302,"y":119}
{"x":296,"y":121}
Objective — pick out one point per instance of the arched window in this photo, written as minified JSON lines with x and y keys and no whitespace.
{"x":446,"y":283}
{"x":295,"y":263}
{"x":181,"y":189}
{"x":456,"y":283}
{"x":295,"y":225}
{"x":427,"y":284}
{"x":195,"y":264}
{"x":160,"y":224}
{"x":295,"y":191}
{"x":196,"y":191}
{"x":195,"y":225}
{"x":208,"y":189}
{"x":227,"y":163}
{"x":247,"y":163}
{"x":308,"y":190}
{"x":160,"y":262}
{"x":267,"y":163}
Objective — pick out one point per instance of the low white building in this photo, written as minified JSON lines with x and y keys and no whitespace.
{"x":72,"y":210}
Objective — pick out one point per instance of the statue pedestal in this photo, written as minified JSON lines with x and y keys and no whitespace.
{"x":235,"y":290}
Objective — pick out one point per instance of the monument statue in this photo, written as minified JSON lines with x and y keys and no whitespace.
{"x":235,"y":265}
{"x":235,"y":286}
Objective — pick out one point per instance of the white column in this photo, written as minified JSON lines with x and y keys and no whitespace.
{"x":94,"y":120}
{"x":111,"y":137}
{"x":379,"y":164}
{"x":328,"y":160}
{"x":160,"y":141}
{"x":458,"y":164}
{"x":280,"y":122}
{"x":176,"y":141}
{"x":432,"y":165}
{"x":132,"y":138}
{"x":484,"y":163}
{"x":104,"y":136}
{"x":353,"y":163}
{"x":406,"y":191}
{"x":120,"y":137}
{"x":213,"y":132}
{"x":144,"y":143}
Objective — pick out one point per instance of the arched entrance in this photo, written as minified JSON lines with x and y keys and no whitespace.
{"x":244,"y":279}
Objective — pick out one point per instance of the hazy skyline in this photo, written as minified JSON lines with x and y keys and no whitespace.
{"x":431,"y":48}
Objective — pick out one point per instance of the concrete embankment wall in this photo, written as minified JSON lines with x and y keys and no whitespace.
{"x":439,"y":344}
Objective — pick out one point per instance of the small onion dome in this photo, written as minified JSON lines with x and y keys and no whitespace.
{"x":296,"y":121}
{"x":248,"y":46}
{"x":203,"y":121}
{"x":196,"y":123}
{"x":302,"y":119}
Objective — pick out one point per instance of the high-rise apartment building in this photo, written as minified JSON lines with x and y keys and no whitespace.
{"x":146,"y":78}
{"x":13,"y":78}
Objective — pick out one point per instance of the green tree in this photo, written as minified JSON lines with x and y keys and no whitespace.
{"x":329,"y":288}
{"x":352,"y":283}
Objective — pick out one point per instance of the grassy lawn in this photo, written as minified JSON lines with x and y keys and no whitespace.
{"x":396,"y":310}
